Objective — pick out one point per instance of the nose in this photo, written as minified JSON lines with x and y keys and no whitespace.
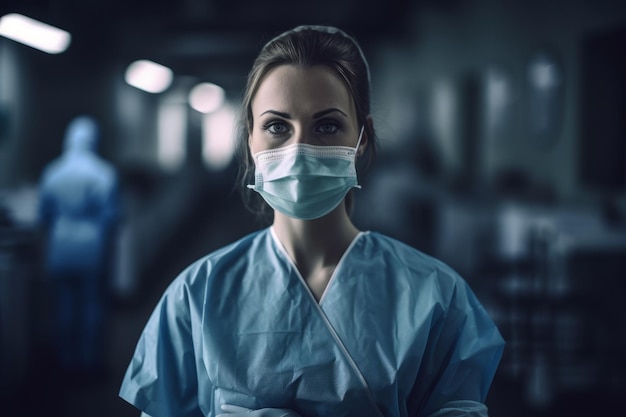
{"x":301,"y":136}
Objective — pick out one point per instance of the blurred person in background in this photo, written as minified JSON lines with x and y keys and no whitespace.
{"x":78,"y":211}
{"x":312,"y":316}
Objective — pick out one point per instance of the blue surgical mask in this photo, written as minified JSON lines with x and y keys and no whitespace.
{"x":305,"y":181}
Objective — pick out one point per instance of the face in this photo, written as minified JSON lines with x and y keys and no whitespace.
{"x":303,"y":105}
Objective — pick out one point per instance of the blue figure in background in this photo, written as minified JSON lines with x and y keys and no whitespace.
{"x":78,"y":211}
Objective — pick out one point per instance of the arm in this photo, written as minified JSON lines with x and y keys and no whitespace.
{"x":463,"y":359}
{"x":161,"y":378}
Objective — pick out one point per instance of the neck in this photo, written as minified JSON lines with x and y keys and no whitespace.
{"x":316,"y":243}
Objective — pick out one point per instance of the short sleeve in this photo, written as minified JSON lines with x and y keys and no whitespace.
{"x":161,"y":379}
{"x":465,"y":354}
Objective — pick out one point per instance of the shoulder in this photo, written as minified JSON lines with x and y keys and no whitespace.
{"x":101,"y":168}
{"x":422,"y":272}
{"x":50,"y":170}
{"x":393,"y":250}
{"x":428,"y":287}
{"x":220,"y":264}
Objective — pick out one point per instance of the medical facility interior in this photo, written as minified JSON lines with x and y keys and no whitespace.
{"x":501,"y":129}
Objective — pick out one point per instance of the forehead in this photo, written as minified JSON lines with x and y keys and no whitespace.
{"x":297,"y":90}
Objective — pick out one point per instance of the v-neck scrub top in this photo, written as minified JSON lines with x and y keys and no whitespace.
{"x":396,"y":333}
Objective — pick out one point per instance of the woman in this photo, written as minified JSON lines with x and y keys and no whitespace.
{"x":312,"y":317}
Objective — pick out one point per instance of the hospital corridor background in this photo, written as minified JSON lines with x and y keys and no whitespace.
{"x":502,"y":152}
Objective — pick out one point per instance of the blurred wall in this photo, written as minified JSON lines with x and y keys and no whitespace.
{"x":13,"y":90}
{"x":449,"y":52}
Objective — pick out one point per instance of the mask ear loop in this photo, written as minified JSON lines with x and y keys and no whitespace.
{"x":358,"y":143}
{"x":356,"y":151}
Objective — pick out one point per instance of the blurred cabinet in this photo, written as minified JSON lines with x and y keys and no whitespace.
{"x":560,"y":307}
{"x":20,"y":304}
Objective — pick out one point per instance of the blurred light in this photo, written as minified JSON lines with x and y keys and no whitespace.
{"x":172,"y":132}
{"x":444,"y":119}
{"x":543,"y":73}
{"x":206,"y":97}
{"x":35,"y":34}
{"x":498,"y":98}
{"x":497,"y":89}
{"x":149,"y":76}
{"x":218,"y":138}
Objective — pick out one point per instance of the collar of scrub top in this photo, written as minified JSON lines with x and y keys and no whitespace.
{"x":331,"y":30}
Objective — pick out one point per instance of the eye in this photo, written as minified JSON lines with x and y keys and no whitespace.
{"x":276,"y":127}
{"x":328,"y":127}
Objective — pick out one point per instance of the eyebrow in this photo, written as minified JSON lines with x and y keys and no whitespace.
{"x":325,"y":112}
{"x":315,"y":116}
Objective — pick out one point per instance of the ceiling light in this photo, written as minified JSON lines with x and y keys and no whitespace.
{"x":34,"y":33}
{"x":206,"y":97}
{"x":149,"y":76}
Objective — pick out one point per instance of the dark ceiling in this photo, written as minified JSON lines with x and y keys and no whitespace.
{"x":203,"y":38}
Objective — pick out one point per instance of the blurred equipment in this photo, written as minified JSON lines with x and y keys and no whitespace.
{"x":561,"y":305}
{"x":19,"y":270}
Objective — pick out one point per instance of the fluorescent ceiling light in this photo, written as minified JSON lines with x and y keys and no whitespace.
{"x":206,"y":97}
{"x":149,"y":76}
{"x":34,"y":33}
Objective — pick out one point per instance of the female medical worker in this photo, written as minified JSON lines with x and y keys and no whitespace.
{"x":312,"y":317}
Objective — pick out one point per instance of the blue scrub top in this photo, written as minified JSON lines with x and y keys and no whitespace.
{"x":397,"y":333}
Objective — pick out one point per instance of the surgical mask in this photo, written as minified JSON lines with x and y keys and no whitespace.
{"x":305,"y":181}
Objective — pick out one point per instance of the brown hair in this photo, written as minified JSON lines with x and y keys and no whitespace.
{"x":306,"y":46}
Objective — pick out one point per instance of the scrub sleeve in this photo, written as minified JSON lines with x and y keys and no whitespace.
{"x":161,"y":379}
